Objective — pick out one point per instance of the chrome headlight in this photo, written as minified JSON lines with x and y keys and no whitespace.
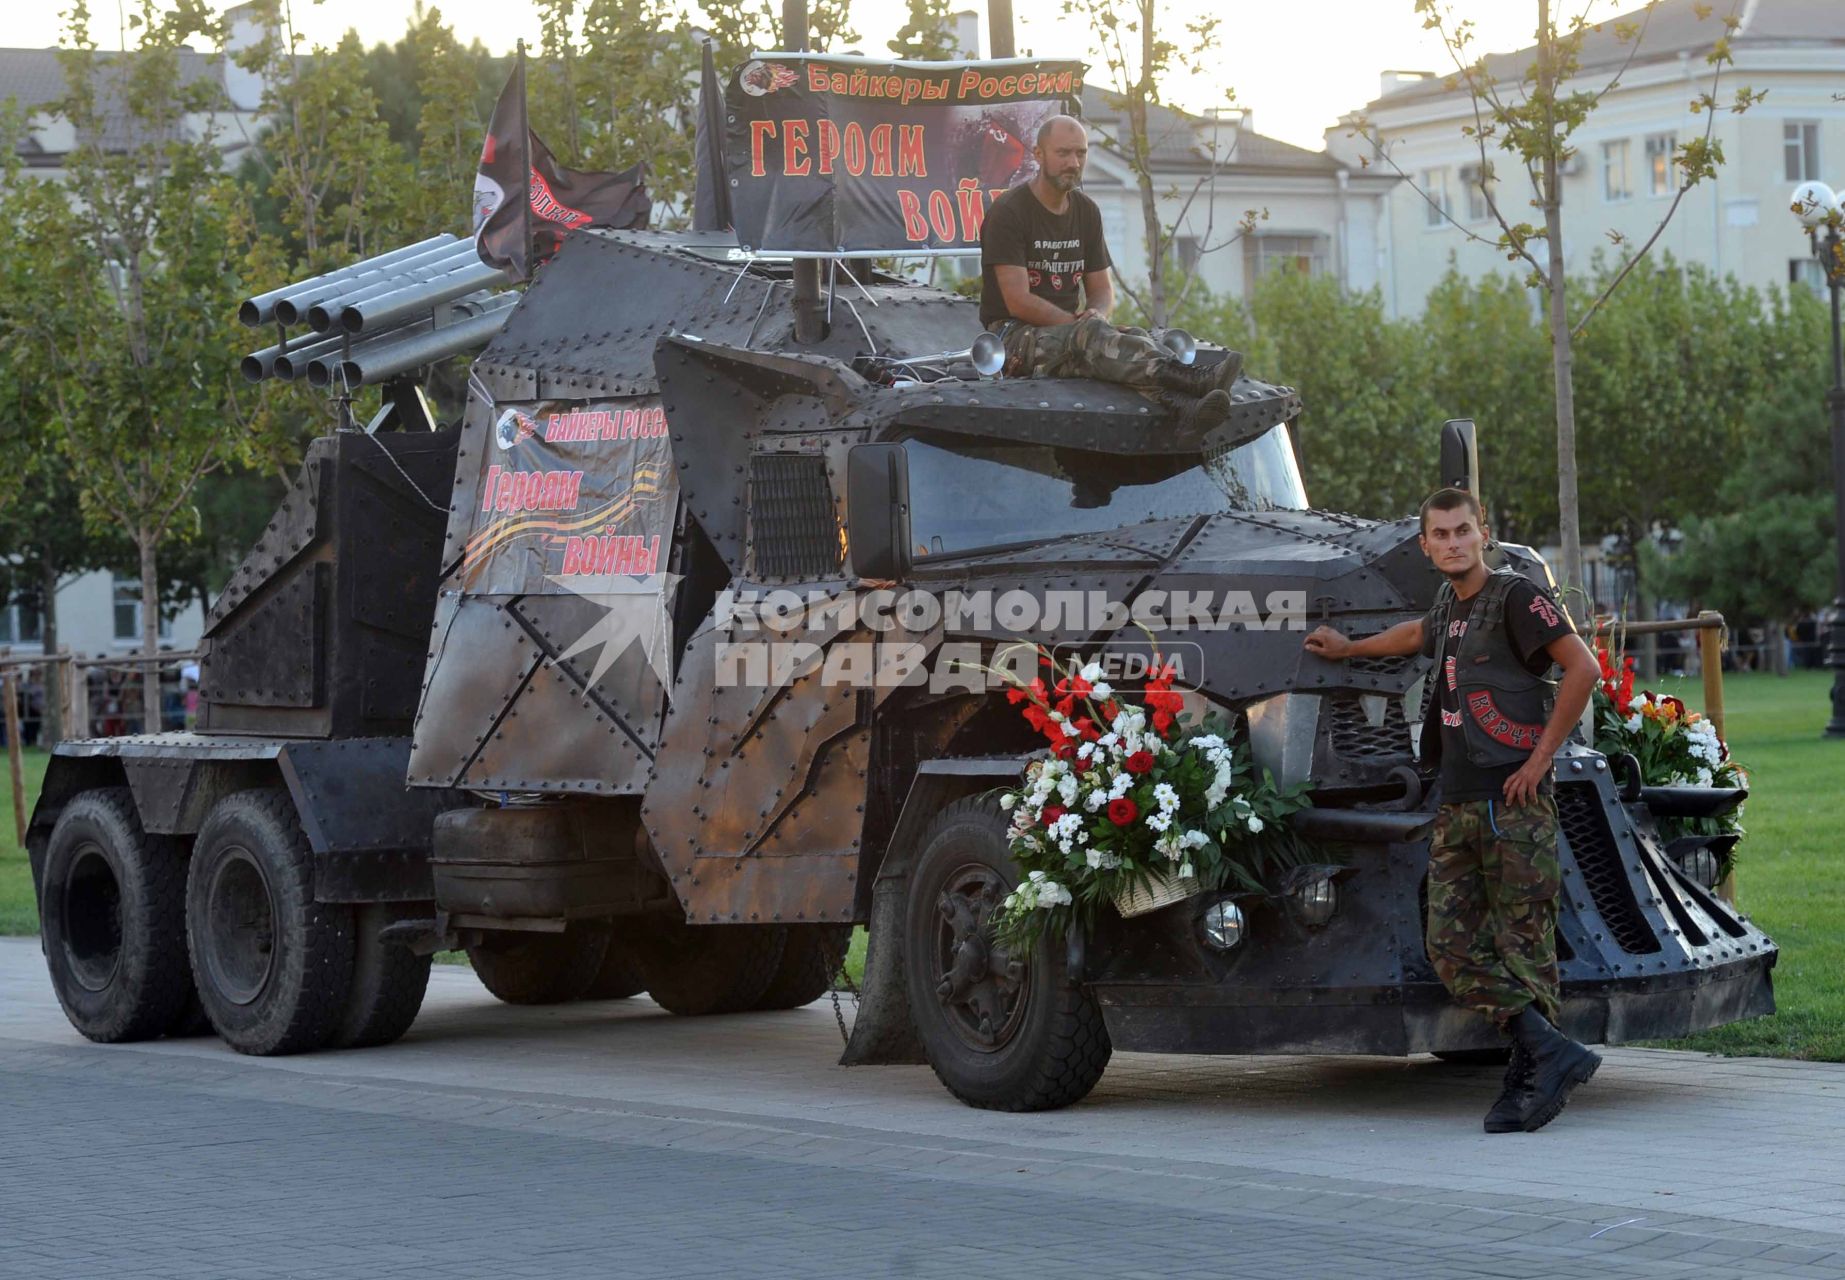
{"x":1222,"y":924}
{"x":1702,"y":865}
{"x":1312,"y":894}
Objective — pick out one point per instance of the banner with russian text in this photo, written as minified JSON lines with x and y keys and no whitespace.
{"x":855,"y":155}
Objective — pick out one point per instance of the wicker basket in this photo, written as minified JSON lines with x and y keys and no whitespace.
{"x":1159,"y":891}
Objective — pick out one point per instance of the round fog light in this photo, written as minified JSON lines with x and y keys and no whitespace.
{"x":1314,"y":900}
{"x":1223,"y":924}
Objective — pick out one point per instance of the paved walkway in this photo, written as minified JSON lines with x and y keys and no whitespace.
{"x":614,"y":1140}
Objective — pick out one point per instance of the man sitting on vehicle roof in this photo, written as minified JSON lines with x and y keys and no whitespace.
{"x":1038,"y":244}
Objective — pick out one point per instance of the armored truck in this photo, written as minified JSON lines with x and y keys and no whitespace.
{"x":570,"y":684}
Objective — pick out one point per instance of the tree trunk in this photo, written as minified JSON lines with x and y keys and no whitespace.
{"x":1143,"y":170}
{"x":150,"y":634}
{"x":1562,"y":355}
{"x":51,"y":722}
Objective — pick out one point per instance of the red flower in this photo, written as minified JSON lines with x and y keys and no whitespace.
{"x":1139,"y":762}
{"x":1122,"y":811}
{"x":1064,"y":705}
{"x":1086,"y":727}
{"x":1162,"y":721}
{"x":1052,"y":812}
{"x":1110,"y":711}
{"x":1082,"y":764}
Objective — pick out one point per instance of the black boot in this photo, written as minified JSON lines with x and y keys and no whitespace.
{"x":1508,"y":1111}
{"x":1195,"y":413}
{"x":1198,"y":381}
{"x":1559,"y":1064}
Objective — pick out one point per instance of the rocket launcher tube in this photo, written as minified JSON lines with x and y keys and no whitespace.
{"x":261,"y":309}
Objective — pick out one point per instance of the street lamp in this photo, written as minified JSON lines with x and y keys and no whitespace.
{"x":1817,"y":207}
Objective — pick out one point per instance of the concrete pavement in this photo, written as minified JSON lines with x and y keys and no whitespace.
{"x":612,"y":1139}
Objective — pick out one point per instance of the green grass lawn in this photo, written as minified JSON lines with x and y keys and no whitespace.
{"x":18,"y":908}
{"x":1787,"y":872}
{"x":1785,"y":875}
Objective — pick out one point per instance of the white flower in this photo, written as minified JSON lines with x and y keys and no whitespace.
{"x":1092,"y":672}
{"x":1066,"y":788}
{"x":1122,"y":784}
{"x":1254,"y":824}
{"x":1054,"y":895}
{"x":1185,"y":871}
{"x":1639,"y":703}
{"x":1095,"y":800}
{"x":1634,"y":722}
{"x":1007,"y":801}
{"x":1159,"y":821}
{"x":1101,"y":860}
{"x":1070,"y":730}
{"x":1168,"y":798}
{"x":1194,"y":839}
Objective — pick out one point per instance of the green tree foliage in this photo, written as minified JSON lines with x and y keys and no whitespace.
{"x":928,"y":33}
{"x":130,"y":332}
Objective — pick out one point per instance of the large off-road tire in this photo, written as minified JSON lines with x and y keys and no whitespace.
{"x":620,"y":974}
{"x":718,"y":968}
{"x":388,"y":983}
{"x":1007,"y":1033}
{"x":274,"y":967}
{"x":114,"y":920}
{"x":809,"y":964}
{"x":540,"y":968}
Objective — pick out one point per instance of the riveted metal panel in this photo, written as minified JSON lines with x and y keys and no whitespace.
{"x":482,"y":658}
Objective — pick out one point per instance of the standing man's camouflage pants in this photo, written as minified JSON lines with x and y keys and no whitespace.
{"x":1091,"y":348}
{"x":1493,"y":883}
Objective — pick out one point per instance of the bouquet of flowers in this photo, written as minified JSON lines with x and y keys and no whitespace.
{"x":1674,"y":744}
{"x":1132,"y":797}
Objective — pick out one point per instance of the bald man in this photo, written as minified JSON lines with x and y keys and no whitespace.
{"x":1045,"y":289}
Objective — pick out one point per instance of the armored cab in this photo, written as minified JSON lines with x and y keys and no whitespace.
{"x":653,"y":673}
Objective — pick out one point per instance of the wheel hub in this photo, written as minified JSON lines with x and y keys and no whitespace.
{"x":240,"y":953}
{"x":982,"y":988}
{"x":92,"y":919}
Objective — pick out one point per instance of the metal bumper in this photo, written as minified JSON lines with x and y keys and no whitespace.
{"x":1417,"y":1017}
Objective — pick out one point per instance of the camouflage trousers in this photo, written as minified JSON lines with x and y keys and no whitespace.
{"x":1091,"y":348}
{"x":1493,"y":884}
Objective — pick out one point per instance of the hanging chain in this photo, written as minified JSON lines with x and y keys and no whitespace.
{"x":835,"y":962}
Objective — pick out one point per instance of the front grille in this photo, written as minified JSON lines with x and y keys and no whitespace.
{"x":1385,"y":666}
{"x":1354,"y":737}
{"x":1585,"y":828}
{"x":793,"y":532}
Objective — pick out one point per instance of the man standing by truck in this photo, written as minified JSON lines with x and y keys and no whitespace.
{"x":1493,"y":873}
{"x":1041,"y":253}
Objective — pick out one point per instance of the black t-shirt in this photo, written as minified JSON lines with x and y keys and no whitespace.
{"x":1055,"y":249}
{"x":1532,"y":621}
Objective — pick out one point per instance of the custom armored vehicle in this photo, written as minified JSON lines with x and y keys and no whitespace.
{"x":664,"y":667}
{"x":562,"y":685}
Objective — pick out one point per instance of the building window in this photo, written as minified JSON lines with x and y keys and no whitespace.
{"x":1617,"y":175}
{"x":1440,"y":206}
{"x":128,"y":612}
{"x":20,"y":623}
{"x":1808,"y":271}
{"x":1304,"y":254}
{"x":1478,"y":210}
{"x":1800,"y":144}
{"x":1661,"y":169}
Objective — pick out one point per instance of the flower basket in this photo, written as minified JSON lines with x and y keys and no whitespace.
{"x":1158,"y":890}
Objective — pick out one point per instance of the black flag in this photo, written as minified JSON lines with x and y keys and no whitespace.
{"x":711,"y":195}
{"x":525,"y":202}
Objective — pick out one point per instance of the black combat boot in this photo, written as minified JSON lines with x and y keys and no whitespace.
{"x":1195,"y":413}
{"x":1196,"y":381}
{"x":1558,"y":1065}
{"x":1508,"y":1111}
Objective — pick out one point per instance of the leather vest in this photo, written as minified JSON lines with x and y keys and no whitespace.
{"x":1504,"y":708}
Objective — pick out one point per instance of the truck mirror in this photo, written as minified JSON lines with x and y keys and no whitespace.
{"x":878,"y":511}
{"x":1460,"y":456}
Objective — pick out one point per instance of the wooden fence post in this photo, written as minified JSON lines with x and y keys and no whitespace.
{"x":9,"y":690}
{"x":1710,"y":664}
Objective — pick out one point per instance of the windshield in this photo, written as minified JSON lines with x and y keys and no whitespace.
{"x":967,"y":493}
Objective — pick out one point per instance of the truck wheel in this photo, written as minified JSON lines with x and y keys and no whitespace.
{"x":693,"y":970}
{"x":388,"y":983}
{"x":274,"y":967}
{"x":1003,"y":1032}
{"x":809,"y":963}
{"x":620,"y":974}
{"x":114,"y":920}
{"x":540,"y":968}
